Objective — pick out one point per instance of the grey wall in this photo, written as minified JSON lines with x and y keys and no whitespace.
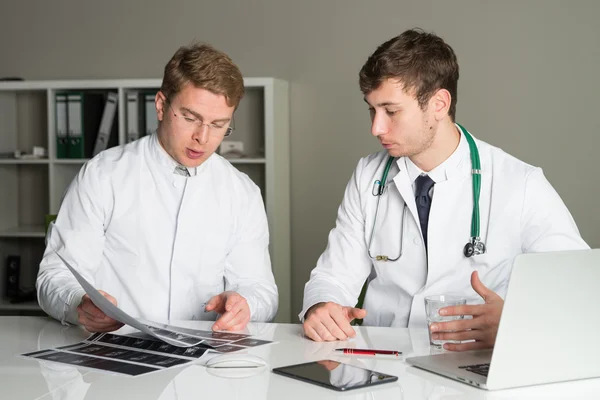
{"x":528,"y":84}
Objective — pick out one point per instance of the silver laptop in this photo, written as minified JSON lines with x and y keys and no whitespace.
{"x":549,"y":330}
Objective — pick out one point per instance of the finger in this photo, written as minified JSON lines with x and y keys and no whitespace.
{"x":94,"y":326}
{"x":475,"y":309}
{"x":355,"y":313}
{"x":241,"y":325}
{"x":224,"y":320}
{"x":108,"y":297}
{"x":310,"y":332}
{"x":238,"y":303}
{"x":88,"y":319}
{"x":91,"y":309}
{"x":475,"y":334}
{"x":230,"y":319}
{"x":485,"y":293}
{"x":241,"y":318}
{"x":232,"y":300}
{"x":93,"y":318}
{"x":333,"y":328}
{"x":103,"y":319}
{"x":342,"y":322}
{"x":458,"y":325}
{"x":466,"y":346}
{"x":213,"y":303}
{"x":220,"y":323}
{"x":323,"y":332}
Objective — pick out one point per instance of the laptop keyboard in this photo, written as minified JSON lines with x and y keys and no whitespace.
{"x":481,"y":369}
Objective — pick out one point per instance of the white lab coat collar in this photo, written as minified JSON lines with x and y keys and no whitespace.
{"x":164,"y":159}
{"x":445,"y":170}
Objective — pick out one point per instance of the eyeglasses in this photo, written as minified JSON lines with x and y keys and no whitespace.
{"x":191,"y":123}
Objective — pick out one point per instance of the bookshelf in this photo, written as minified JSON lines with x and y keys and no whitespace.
{"x":34,"y":187}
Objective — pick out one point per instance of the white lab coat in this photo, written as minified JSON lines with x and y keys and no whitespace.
{"x":162,"y":244}
{"x":520,"y":212}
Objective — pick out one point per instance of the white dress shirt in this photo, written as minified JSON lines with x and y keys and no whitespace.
{"x":161,"y":243}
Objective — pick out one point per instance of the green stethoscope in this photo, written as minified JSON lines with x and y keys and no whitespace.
{"x":475,"y":246}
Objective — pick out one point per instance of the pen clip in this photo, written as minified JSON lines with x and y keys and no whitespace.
{"x":367,"y":351}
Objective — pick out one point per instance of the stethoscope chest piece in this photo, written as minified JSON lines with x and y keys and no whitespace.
{"x":474,"y":248}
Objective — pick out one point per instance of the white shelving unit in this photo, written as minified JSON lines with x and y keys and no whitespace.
{"x":32,"y":188}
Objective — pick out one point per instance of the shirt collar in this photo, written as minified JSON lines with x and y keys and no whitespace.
{"x":165,"y":160}
{"x":446,"y":169}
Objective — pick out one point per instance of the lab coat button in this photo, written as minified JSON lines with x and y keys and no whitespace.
{"x":175,"y":183}
{"x":417,"y":240}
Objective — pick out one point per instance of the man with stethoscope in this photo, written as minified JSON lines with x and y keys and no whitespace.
{"x":437,"y":212}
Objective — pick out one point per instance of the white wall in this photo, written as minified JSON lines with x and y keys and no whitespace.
{"x":529,"y":78}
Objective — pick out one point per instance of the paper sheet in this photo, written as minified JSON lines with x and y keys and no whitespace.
{"x":160,"y":331}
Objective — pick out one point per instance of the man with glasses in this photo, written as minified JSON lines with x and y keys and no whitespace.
{"x":165,"y":227}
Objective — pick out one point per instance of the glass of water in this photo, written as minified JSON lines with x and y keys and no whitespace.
{"x":432,"y":307}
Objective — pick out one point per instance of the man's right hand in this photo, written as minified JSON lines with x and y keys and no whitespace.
{"x":330,"y":321}
{"x":93,"y":319}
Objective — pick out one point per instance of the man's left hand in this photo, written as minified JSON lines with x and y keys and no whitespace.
{"x":234,"y":310}
{"x":483,"y":328}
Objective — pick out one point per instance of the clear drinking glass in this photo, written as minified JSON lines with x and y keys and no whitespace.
{"x":433,"y":305}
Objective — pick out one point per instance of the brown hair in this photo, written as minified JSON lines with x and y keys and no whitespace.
{"x":206,"y":68}
{"x":422,"y":61}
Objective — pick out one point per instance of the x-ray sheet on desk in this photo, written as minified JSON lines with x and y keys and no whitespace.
{"x":138,"y":353}
{"x":175,"y":336}
{"x":121,"y":354}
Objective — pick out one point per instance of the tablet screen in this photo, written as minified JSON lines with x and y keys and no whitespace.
{"x":335,"y":375}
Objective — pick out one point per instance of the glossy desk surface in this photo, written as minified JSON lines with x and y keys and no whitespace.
{"x":22,"y":378}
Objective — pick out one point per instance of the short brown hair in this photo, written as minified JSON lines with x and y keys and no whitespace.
{"x":206,"y":68}
{"x":422,"y":61}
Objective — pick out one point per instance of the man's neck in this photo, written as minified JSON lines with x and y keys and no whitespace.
{"x":444,"y":144}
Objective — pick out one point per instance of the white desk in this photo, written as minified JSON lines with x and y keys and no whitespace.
{"x":22,"y":378}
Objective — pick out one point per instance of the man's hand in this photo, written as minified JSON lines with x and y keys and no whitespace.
{"x":330,"y":321}
{"x":234,"y":310}
{"x":483,"y":328}
{"x":93,"y":319}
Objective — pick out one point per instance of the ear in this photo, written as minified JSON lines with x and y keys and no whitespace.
{"x":440,"y":104}
{"x":160,"y":102}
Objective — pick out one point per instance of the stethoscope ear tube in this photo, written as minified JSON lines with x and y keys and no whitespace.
{"x":475,"y":246}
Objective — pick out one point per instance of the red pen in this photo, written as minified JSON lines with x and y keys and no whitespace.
{"x":371,"y":352}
